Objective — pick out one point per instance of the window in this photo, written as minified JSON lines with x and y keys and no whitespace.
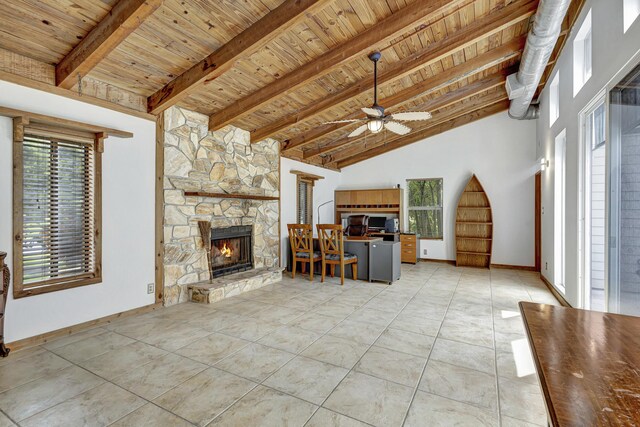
{"x":631,"y":11}
{"x":582,"y":48}
{"x":304,"y":213}
{"x":559,"y":210}
{"x":57,"y":211}
{"x":425,"y":207}
{"x":554,"y":99}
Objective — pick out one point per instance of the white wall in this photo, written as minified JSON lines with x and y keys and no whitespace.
{"x":322,"y":192}
{"x":499,"y":150}
{"x":127,"y":221}
{"x":612,"y":49}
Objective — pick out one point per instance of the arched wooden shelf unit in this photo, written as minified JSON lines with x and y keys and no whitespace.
{"x":474,"y":227}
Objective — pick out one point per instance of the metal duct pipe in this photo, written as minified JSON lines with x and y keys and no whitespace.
{"x":541,"y":40}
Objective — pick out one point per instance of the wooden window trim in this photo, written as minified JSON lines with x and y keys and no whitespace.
{"x":22,"y":124}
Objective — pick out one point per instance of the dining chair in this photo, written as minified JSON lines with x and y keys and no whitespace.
{"x":331,"y":238}
{"x":301,"y":240}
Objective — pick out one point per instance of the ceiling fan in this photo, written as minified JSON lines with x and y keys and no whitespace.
{"x":376,"y":119}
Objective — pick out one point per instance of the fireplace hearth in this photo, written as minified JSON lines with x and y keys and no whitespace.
{"x":231,"y":250}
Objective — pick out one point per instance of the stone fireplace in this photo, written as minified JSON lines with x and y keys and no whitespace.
{"x":197,"y":161}
{"x":231,"y":250}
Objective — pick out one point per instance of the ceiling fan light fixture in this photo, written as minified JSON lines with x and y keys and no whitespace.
{"x":375,"y":125}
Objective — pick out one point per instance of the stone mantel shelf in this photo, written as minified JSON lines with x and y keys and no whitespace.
{"x":230,"y":195}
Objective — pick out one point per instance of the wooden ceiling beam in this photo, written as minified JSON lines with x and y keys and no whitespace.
{"x":445,"y":78}
{"x":123,"y":19}
{"x":449,"y":117}
{"x":465,"y":37}
{"x":453,"y":97}
{"x":247,"y":42}
{"x":375,"y":36}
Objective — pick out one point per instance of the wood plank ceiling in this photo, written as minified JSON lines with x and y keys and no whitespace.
{"x":281,"y":69}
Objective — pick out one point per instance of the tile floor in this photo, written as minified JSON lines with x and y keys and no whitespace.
{"x":443,"y":346}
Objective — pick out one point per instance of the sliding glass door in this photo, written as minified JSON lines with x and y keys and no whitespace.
{"x":624,"y":196}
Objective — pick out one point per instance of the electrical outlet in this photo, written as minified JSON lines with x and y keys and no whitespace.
{"x":424,"y":251}
{"x":151,"y":288}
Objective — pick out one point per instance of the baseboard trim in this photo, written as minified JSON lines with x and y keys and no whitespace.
{"x":554,"y":291}
{"x":443,"y":261}
{"x":514,"y":267}
{"x":70,"y":330}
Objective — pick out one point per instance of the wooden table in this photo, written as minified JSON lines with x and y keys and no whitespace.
{"x":588,"y":364}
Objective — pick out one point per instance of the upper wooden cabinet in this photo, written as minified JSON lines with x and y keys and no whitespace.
{"x":387,"y":200}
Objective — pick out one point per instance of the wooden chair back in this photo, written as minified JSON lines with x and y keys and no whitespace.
{"x":300,"y":238}
{"x":331,"y":239}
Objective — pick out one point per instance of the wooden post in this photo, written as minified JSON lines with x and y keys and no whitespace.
{"x":4,"y":273}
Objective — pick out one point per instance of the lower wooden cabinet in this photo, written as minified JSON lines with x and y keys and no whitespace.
{"x":409,"y":248}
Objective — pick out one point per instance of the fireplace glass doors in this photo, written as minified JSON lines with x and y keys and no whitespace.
{"x":231,"y":250}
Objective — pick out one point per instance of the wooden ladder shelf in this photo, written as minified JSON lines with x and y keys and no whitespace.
{"x":474,"y":227}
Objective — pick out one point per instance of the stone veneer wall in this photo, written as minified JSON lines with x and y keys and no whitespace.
{"x":223,"y":161}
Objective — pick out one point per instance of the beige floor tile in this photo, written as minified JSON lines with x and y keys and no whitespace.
{"x":290,"y":338}
{"x":217,"y":320}
{"x":326,"y":418}
{"x":337,"y":351}
{"x":250,"y":329}
{"x":389,"y":305}
{"x":372,"y":316}
{"x":151,"y":416}
{"x":405,"y":341}
{"x":315,"y":322}
{"x":5,"y":421}
{"x":461,"y":384}
{"x":68,"y":339}
{"x":363,"y":333}
{"x":205,"y":396}
{"x":392,"y":365}
{"x":442,"y":412}
{"x":417,"y":324}
{"x":278,"y":314}
{"x":465,"y":355}
{"x":21,"y":371}
{"x":212,"y":348}
{"x":266,"y":407}
{"x":369,"y":399}
{"x":30,"y":398}
{"x":140,"y":327}
{"x":467,"y":331}
{"x":117,"y":362}
{"x":159,"y":375}
{"x":512,"y":422}
{"x":255,"y":361}
{"x":307,"y":379}
{"x":88,"y":348}
{"x":522,"y":400}
{"x":335,"y":309}
{"x":99,"y":406}
{"x":22,"y":354}
{"x":175,"y":336}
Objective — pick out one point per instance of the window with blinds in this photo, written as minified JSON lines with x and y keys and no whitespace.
{"x":305,"y":202}
{"x":58,"y":212}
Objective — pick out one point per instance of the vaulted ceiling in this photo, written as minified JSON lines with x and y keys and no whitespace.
{"x":281,"y":69}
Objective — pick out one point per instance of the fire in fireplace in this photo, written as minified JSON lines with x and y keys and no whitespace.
{"x":231,"y":250}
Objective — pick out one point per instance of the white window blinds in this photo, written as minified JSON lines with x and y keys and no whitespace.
{"x":58,"y":230}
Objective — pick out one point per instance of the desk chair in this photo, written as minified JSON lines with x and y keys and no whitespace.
{"x":331,"y":238}
{"x":357,"y":225}
{"x":301,"y":240}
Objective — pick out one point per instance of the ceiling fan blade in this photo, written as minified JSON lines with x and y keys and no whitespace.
{"x":398,"y":128}
{"x":411,"y":115}
{"x":358,"y":131}
{"x":373,"y":112}
{"x":341,"y":121}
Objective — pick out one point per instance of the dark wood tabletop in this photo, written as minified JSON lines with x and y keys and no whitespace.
{"x":588,"y":364}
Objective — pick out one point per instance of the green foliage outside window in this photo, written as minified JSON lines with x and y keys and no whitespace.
{"x":425,"y":207}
